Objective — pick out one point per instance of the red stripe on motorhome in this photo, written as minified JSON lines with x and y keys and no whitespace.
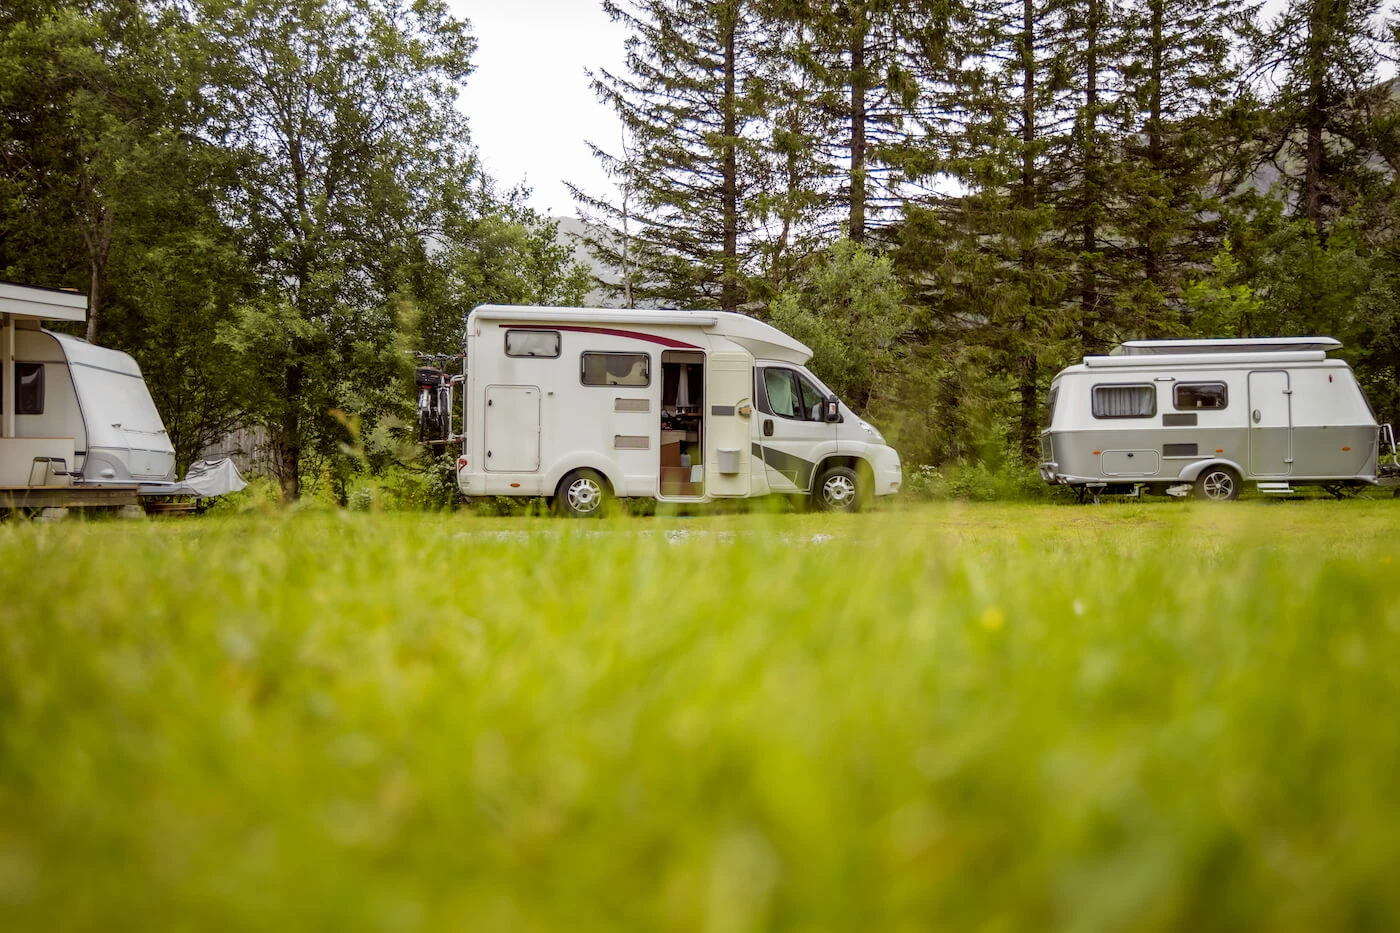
{"x":649,"y":338}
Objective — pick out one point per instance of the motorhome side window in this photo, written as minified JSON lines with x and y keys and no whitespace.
{"x":788,"y":395}
{"x":29,"y":389}
{"x":1125,"y":401}
{"x":543,"y":344}
{"x":615,"y":369}
{"x":1193,"y":396}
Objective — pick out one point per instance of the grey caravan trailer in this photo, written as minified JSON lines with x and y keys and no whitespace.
{"x":77,"y":423}
{"x":1175,"y":416}
{"x":580,"y":404}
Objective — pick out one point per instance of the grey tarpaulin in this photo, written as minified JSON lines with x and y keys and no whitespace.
{"x":205,"y":478}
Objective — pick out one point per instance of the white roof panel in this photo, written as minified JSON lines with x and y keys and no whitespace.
{"x":1227,"y":345}
{"x":45,"y":304}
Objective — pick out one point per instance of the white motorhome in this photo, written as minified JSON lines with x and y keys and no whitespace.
{"x":71,"y":414}
{"x":1208,"y":415}
{"x":580,"y":404}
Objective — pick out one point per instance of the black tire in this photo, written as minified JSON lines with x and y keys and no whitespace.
{"x":838,"y":489}
{"x":1217,"y":484}
{"x":582,"y":494}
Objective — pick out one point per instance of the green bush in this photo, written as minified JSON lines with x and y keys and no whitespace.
{"x":975,"y":481}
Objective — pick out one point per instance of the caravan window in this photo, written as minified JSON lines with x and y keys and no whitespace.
{"x":29,"y":388}
{"x":615,"y":369}
{"x":543,"y":344}
{"x":1191,"y":396}
{"x":1125,"y":401}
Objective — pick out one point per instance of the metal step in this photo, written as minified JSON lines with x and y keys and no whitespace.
{"x":1277,"y":489}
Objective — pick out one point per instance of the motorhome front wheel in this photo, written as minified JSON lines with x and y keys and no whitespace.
{"x":1219,"y":484}
{"x":838,"y":490}
{"x":581,"y":494}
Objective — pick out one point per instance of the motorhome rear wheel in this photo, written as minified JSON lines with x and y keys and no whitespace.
{"x":1219,"y":484}
{"x":582,"y":494}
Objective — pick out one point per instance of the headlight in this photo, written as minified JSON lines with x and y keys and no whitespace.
{"x":873,"y":431}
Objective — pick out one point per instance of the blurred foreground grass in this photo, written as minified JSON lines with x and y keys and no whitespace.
{"x":1147,"y":717}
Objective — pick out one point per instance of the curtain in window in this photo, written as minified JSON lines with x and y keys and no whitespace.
{"x":1124,"y":401}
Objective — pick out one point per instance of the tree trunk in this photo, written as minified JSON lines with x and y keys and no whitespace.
{"x":1028,"y":366}
{"x":1030,"y":409}
{"x":289,"y":438}
{"x":729,"y":280}
{"x":859,"y":82}
{"x":1089,"y":328}
{"x":98,"y":238}
{"x":95,"y":297}
{"x":1152,"y":248}
{"x":1319,"y":26}
{"x":1027,"y":193}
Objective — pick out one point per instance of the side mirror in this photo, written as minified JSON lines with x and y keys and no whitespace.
{"x":832,"y":409}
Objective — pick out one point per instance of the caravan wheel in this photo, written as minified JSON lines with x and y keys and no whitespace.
{"x":581,"y":494}
{"x":1218,"y":484}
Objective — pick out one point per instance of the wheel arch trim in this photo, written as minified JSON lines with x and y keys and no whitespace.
{"x":1193,"y":472}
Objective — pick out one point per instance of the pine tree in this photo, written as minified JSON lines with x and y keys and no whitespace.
{"x":990,"y":267}
{"x":1085,"y":39}
{"x":1185,"y":117}
{"x":691,"y":151}
{"x":1322,"y":55}
{"x":861,"y":61}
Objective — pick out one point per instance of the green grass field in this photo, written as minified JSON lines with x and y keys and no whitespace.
{"x":1157,"y":716}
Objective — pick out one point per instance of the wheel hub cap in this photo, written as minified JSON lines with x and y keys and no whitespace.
{"x":584,"y":496}
{"x":1218,"y":486}
{"x":839,"y":491}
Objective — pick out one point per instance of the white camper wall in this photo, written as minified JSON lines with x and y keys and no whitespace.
{"x":125,"y":431}
{"x":60,"y":417}
{"x":1328,"y":395}
{"x":579,"y":425}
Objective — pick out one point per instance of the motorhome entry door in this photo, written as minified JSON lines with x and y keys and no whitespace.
{"x":1270,"y":424}
{"x":512,"y":429}
{"x":728,"y":417}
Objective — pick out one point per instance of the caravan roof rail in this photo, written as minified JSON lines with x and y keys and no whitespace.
{"x":1226,"y":345}
{"x":1208,"y":360}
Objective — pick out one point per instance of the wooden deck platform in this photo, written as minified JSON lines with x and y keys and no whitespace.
{"x":69,"y":497}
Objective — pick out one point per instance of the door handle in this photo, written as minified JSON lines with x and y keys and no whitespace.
{"x":767,"y":427}
{"x":1256,"y":416}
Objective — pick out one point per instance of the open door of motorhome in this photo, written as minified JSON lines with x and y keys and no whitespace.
{"x":728,"y":416}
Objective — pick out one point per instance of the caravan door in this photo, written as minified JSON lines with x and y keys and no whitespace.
{"x":728,"y":414}
{"x":1270,"y":423}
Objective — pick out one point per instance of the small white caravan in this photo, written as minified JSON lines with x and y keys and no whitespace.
{"x":1172,"y":416}
{"x":579,"y":404}
{"x":73,"y":414}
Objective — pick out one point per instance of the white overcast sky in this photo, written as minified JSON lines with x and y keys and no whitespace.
{"x":529,"y":104}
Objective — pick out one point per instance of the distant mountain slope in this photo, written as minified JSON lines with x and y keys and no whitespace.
{"x":572,"y":231}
